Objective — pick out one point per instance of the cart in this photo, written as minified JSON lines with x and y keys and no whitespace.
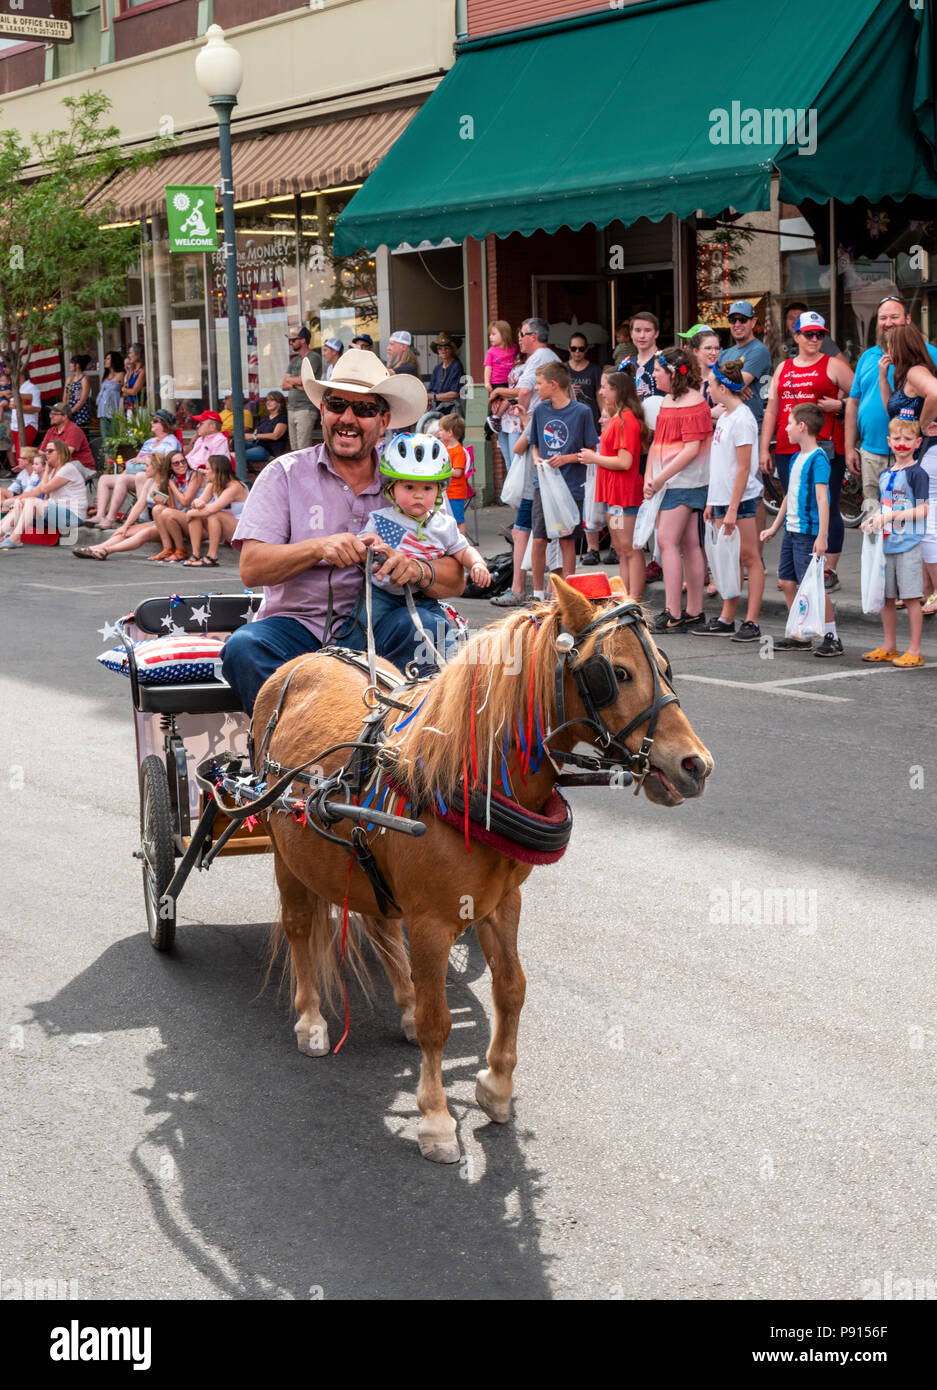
{"x":178,"y":727}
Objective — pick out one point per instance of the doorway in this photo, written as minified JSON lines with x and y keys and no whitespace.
{"x":645,"y":287}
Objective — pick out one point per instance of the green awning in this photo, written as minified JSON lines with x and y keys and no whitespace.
{"x":616,"y":116}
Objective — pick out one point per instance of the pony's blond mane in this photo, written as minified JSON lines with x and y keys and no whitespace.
{"x":491,"y":676}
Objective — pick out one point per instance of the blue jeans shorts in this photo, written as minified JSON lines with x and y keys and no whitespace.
{"x":746,"y":509}
{"x":614,"y":511}
{"x":796,"y":554}
{"x":692,"y":497}
{"x":522,"y":520}
{"x":457,"y":505}
{"x":57,"y":517}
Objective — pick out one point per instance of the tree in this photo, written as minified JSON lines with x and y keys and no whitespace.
{"x":60,"y":270}
{"x":719,"y":268}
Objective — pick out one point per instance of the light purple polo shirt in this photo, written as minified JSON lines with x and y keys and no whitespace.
{"x":296,"y":498}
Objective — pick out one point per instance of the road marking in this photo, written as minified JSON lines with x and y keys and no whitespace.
{"x":130,"y":584}
{"x":766,"y":688}
{"x":835,"y":675}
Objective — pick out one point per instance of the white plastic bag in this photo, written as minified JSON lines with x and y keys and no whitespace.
{"x":560,"y":512}
{"x":807,"y":615}
{"x":724,"y":555}
{"x":593,"y":512}
{"x":512,"y":494}
{"x":526,"y":562}
{"x":554,"y":559}
{"x":646,"y":519}
{"x":873,"y":572}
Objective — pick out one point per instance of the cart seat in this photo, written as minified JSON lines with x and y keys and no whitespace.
{"x":209,"y":697}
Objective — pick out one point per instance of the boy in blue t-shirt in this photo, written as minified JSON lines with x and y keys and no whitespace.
{"x":902,"y":519}
{"x":806,"y":513}
{"x":559,"y":429}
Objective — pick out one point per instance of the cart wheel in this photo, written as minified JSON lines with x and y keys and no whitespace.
{"x":159,"y":856}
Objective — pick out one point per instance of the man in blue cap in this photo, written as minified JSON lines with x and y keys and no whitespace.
{"x":756,"y":359}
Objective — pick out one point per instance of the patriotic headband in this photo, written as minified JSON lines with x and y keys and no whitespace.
{"x":724,"y":381}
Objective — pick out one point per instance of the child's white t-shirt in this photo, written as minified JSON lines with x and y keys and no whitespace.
{"x":732,"y":429}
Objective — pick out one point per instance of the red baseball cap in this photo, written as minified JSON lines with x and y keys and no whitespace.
{"x":208,"y":415}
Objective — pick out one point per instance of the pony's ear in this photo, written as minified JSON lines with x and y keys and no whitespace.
{"x":575,"y":610}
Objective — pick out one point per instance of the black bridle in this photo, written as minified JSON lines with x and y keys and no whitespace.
{"x":598,"y":687}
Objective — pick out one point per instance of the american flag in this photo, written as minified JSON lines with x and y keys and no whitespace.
{"x":400,"y":538}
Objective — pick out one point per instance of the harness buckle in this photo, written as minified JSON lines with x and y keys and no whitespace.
{"x":373,"y":690}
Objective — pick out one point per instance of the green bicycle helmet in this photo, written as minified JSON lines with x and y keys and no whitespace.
{"x":416,"y":458}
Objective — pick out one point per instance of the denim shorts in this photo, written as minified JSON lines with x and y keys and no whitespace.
{"x":522,"y":520}
{"x":796,"y":554}
{"x":57,"y":517}
{"x":457,"y":504}
{"x":746,"y":509}
{"x":614,"y":511}
{"x":692,"y":497}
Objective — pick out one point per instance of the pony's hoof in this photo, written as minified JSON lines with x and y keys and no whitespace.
{"x":494,"y":1106}
{"x":440,"y":1152}
{"x":313,"y":1042}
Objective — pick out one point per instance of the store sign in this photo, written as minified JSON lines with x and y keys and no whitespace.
{"x":191,"y":218}
{"x":49,"y":20}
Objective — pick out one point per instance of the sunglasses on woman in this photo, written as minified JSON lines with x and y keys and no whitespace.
{"x":362,"y":410}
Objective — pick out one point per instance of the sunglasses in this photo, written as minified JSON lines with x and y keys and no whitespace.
{"x":579,"y":347}
{"x":891,"y":299}
{"x":815,"y":333}
{"x":739,"y":318}
{"x":362,"y":410}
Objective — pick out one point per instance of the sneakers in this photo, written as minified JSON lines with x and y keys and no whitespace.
{"x":612,"y":556}
{"x":714,"y":628}
{"x":697,"y":624}
{"x":748,"y":632}
{"x":793,"y":644}
{"x":591,"y":557}
{"x":509,"y":600}
{"x":665,"y":622}
{"x":830,"y":646}
{"x":653,"y":574}
{"x":831,"y":581}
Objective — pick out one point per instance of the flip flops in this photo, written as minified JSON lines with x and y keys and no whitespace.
{"x":930,"y":607}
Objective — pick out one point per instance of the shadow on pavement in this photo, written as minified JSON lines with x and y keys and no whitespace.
{"x":278,"y":1175}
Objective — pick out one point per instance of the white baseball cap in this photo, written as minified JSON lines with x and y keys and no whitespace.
{"x":810,"y":320}
{"x":401,"y":336}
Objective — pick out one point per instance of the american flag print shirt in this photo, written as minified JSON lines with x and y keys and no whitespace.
{"x":439,"y":536}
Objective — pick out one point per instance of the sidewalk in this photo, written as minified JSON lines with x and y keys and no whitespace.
{"x":846,"y":600}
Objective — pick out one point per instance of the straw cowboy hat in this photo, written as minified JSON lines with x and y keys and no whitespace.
{"x":360,"y":373}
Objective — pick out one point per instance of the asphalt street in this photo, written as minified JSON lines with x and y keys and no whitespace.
{"x":709,"y":1105}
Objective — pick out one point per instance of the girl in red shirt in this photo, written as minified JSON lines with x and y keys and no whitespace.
{"x":618,"y":481}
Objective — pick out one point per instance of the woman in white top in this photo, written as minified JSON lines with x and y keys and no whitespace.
{"x":735,"y":488}
{"x":62,"y":505}
{"x":134,"y":532}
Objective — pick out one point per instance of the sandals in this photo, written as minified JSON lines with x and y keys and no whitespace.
{"x":175,"y":556}
{"x":82,"y":552}
{"x":930,"y":606}
{"x":206,"y":562}
{"x":880,"y":654}
{"x":909,"y":659}
{"x":164,"y":554}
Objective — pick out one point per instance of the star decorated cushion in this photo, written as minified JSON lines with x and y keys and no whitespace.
{"x":174,"y":660}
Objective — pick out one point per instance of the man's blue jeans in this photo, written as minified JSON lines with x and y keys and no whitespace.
{"x":252,"y":653}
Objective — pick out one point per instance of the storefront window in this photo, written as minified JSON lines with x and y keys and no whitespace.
{"x":339,"y":294}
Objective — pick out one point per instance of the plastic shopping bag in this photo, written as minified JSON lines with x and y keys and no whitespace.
{"x":873,"y":572}
{"x":512,"y":494}
{"x":646,"y":519}
{"x":560,"y":512}
{"x":806,"y":618}
{"x":554,"y":560}
{"x":593,"y":512}
{"x":724,"y":555}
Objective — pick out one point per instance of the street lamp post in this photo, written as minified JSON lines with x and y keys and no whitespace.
{"x":220,"y":72}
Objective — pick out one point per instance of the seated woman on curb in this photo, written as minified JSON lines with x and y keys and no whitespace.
{"x":271,"y":434}
{"x":133,"y":532}
{"x":217,"y":507}
{"x":114,"y":487}
{"x":59,"y":503}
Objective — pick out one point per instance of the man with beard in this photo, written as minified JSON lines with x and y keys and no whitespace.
{"x":298,"y":533}
{"x":866,"y":418}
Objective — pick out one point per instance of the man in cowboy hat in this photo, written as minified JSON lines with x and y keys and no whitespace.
{"x":298,"y":532}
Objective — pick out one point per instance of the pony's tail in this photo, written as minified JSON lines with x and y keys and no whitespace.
{"x":323,"y":945}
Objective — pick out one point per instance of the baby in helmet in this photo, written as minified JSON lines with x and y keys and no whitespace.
{"x":416,"y":468}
